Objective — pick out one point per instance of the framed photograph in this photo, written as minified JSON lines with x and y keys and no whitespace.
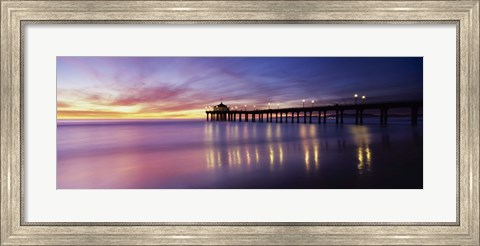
{"x":239,"y":122}
{"x":140,"y":115}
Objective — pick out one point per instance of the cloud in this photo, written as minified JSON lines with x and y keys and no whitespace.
{"x":146,"y":95}
{"x":61,"y":104}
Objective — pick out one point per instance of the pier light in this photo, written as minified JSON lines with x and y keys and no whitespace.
{"x":268,"y":105}
{"x":303,"y":103}
{"x":363,"y":99}
{"x":245,"y":107}
{"x":313,"y":102}
{"x":356,"y":97}
{"x":236,"y":107}
{"x":278,"y":105}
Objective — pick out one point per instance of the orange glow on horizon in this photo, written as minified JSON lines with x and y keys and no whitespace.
{"x":86,"y":112}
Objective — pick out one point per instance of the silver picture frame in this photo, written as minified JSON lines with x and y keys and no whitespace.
{"x":15,"y":15}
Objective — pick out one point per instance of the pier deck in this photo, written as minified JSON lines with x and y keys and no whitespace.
{"x":294,"y":114}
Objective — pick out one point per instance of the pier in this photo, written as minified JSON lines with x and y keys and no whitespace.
{"x":305,"y":114}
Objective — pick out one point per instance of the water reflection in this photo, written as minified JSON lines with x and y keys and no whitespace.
{"x":364,"y":154}
{"x":307,"y":158}
{"x":272,"y":148}
{"x":238,"y":155}
{"x":280,"y":153}
{"x":274,"y":156}
{"x":364,"y":160}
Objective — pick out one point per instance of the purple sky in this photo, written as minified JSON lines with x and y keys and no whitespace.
{"x":181,"y":87}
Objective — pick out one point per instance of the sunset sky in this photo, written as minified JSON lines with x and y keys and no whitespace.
{"x":181,"y":87}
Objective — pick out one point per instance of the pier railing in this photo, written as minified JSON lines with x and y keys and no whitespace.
{"x":281,"y":115}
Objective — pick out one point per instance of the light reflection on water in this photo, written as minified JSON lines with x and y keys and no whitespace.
{"x":198,"y":154}
{"x":362,"y":141}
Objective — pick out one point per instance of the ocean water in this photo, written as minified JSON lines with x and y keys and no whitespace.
{"x":196,"y":154}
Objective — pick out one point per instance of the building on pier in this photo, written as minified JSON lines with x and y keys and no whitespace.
{"x":221,"y":108}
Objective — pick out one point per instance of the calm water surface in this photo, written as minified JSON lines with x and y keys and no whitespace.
{"x":238,"y":155}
